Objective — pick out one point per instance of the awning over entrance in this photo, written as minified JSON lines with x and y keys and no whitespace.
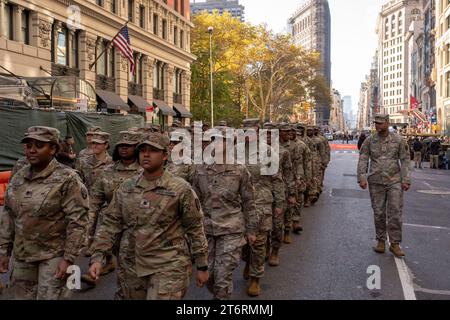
{"x":140,"y":102}
{"x":112,"y":100}
{"x":182,"y":111}
{"x":164,"y":108}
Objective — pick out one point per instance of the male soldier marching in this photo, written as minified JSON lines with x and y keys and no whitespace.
{"x":153,"y":213}
{"x":43,"y":224}
{"x":228,"y":201}
{"x":313,"y":192}
{"x":388,"y":178}
{"x":270,"y":199}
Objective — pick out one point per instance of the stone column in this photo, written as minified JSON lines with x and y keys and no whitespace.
{"x":168,"y":85}
{"x":3,"y":26}
{"x":186,"y":91}
{"x":147,"y":83}
{"x":18,"y":24}
{"x":86,"y":52}
{"x":122,"y":72}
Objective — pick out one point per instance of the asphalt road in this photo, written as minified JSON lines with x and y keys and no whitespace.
{"x":330,"y":260}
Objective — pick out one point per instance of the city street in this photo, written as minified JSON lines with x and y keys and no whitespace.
{"x":331,"y":258}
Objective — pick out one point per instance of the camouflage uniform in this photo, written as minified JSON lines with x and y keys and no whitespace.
{"x":306,"y":175}
{"x":320,"y":147}
{"x":389,"y":160}
{"x":43,"y":222}
{"x":313,"y":189}
{"x":269,"y":194}
{"x":90,"y":167}
{"x":154,"y":218}
{"x":21,"y":163}
{"x":228,"y":202}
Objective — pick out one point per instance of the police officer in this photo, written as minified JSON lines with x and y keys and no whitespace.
{"x":387,"y":179}
{"x":44,"y":219}
{"x":153,"y":213}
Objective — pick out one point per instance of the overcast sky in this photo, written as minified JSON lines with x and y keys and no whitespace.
{"x":353,"y":38}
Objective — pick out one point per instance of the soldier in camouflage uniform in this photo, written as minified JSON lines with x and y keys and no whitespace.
{"x":289,"y":187}
{"x":324,"y":154}
{"x":305,"y":174}
{"x":228,"y":201}
{"x":270,"y":199}
{"x":181,"y":170}
{"x":89,"y":134}
{"x":313,"y":192}
{"x":90,"y":167}
{"x":153,"y":213}
{"x":124,"y":167}
{"x":298,"y":174}
{"x":320,"y":147}
{"x":44,"y":219}
{"x":388,"y":177}
{"x":21,"y":163}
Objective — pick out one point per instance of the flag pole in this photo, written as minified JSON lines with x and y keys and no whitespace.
{"x":104,"y":50}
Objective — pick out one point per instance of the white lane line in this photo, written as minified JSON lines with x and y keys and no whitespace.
{"x":424,"y":226}
{"x":405,"y":279}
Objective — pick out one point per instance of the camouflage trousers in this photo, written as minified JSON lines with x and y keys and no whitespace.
{"x":387,"y":204}
{"x":166,"y":285}
{"x":277,"y":233}
{"x":224,"y":253}
{"x":297,"y":214}
{"x":36,"y":280}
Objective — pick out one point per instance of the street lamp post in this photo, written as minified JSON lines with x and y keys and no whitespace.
{"x":210,"y":31}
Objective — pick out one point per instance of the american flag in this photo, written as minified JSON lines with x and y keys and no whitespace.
{"x":122,"y":42}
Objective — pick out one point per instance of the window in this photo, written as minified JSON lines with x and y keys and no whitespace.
{"x":142,"y":16}
{"x":182,"y":7}
{"x":25,"y":29}
{"x":9,"y":23}
{"x":447,"y":82}
{"x":99,"y":3}
{"x":138,"y":73}
{"x":131,"y":10}
{"x":113,"y":6}
{"x":61,"y":46}
{"x":177,"y":77}
{"x":158,"y":75}
{"x":181,"y":39}
{"x":164,"y":29}
{"x":111,"y":62}
{"x":175,"y":35}
{"x":176,"y":5}
{"x":155,"y":24}
{"x":101,"y":62}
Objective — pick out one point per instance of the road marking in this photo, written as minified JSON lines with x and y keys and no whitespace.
{"x":405,"y":279}
{"x":424,"y":226}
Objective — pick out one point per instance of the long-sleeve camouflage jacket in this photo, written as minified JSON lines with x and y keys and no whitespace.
{"x":228,"y":199}
{"x":45,"y":215}
{"x":155,"y":217}
{"x":90,"y":168}
{"x":389,"y":160}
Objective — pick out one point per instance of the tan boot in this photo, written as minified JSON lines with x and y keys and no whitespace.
{"x":109,"y":267}
{"x":246,"y":274}
{"x":380,"y":248}
{"x":396,"y":250}
{"x":287,"y":237}
{"x":254,"y":288}
{"x":274,"y":260}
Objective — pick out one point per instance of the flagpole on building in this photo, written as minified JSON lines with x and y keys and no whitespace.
{"x":104,"y":50}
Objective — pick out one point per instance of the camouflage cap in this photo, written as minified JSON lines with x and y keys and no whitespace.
{"x":270,"y":126}
{"x":309,"y":127}
{"x":101,"y":137}
{"x":177,"y":124}
{"x":381,"y":118}
{"x":130,"y":138}
{"x":301,"y":126}
{"x":251,"y":123}
{"x":223,"y":123}
{"x":44,"y":134}
{"x":133,"y":129}
{"x":284,"y":126}
{"x":91,"y":130}
{"x":157,"y":140}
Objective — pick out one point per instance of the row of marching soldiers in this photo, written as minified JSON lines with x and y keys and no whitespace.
{"x":158,"y":218}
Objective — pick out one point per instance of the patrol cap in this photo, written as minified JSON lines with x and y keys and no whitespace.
{"x":176,"y":124}
{"x":310,"y":128}
{"x":223,"y":123}
{"x":133,"y":129}
{"x":91,"y":130}
{"x":130,"y":138}
{"x":250,"y":123}
{"x":101,"y":137}
{"x":44,"y":134}
{"x":301,"y":126}
{"x":381,"y":118}
{"x":157,"y":140}
{"x":284,"y":126}
{"x":270,"y":126}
